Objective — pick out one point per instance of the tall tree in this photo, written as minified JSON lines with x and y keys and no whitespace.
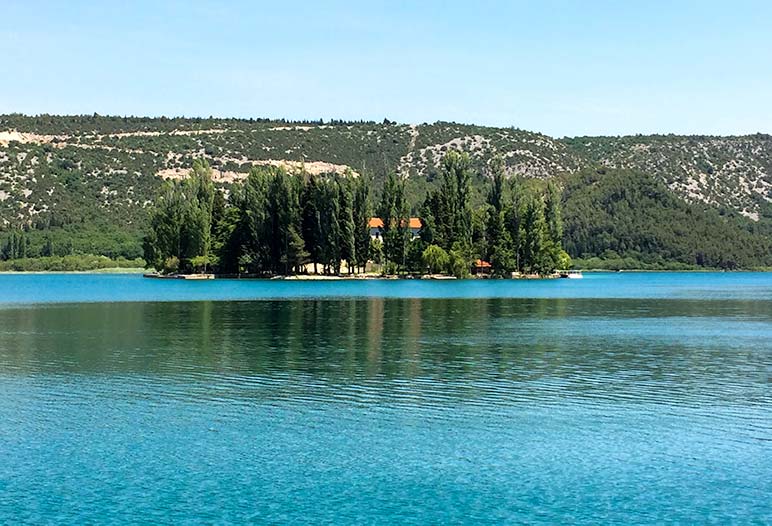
{"x":15,"y":247}
{"x":253,"y":228}
{"x":311,"y":228}
{"x":394,"y":213}
{"x":225,"y":244}
{"x":536,"y":243}
{"x":163,"y":243}
{"x":361,"y":217}
{"x":496,"y":192}
{"x":449,"y":205}
{"x":552,"y":214}
{"x":495,"y":221}
{"x":285,"y":222}
{"x":329,"y":213}
{"x":347,"y":232}
{"x":514,"y":210}
{"x":196,"y":233}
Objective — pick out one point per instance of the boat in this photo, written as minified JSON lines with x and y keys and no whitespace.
{"x":571,"y":274}
{"x":156,"y":275}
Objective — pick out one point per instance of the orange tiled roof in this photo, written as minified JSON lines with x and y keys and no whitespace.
{"x":377,"y":222}
{"x":482,"y":264}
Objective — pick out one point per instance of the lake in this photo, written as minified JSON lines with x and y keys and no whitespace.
{"x":628,"y":398}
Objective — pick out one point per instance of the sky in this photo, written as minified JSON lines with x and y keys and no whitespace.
{"x":563,"y":68}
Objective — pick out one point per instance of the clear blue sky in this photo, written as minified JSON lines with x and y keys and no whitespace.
{"x":560,"y":67}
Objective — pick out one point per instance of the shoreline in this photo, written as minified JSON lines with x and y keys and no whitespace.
{"x":115,"y":270}
{"x":303,"y":277}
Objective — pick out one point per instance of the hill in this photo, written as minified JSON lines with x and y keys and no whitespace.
{"x":83,"y":184}
{"x":633,"y":220}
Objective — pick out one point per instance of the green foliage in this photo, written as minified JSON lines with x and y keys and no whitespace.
{"x":200,"y":263}
{"x":394,"y":213}
{"x":436,"y":259}
{"x":414,"y":262}
{"x":563,"y":260}
{"x":276,"y":222}
{"x":448,"y":207}
{"x":181,"y":224}
{"x":376,"y":251}
{"x":88,"y":185}
{"x":459,"y":261}
{"x":361,"y":213}
{"x":347,"y":233}
{"x":536,"y":241}
{"x":73,"y":263}
{"x":286,"y":249}
{"x":729,"y":172}
{"x":628,"y":216}
{"x":170,"y":265}
{"x":272,"y":223}
{"x":15,"y":247}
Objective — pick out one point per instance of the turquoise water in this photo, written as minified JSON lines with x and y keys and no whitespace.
{"x":619,"y":398}
{"x":75,"y":288}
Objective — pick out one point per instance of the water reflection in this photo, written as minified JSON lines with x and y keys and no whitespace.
{"x":504,"y":348}
{"x":421,"y":411}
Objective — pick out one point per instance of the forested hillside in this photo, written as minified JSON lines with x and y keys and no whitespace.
{"x":85,"y":184}
{"x":632,"y":220}
{"x":731,"y":173}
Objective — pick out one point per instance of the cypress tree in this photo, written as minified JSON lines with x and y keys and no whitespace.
{"x":449,"y":204}
{"x":536,"y":243}
{"x":552,"y":214}
{"x":311,"y":220}
{"x":394,"y":214}
{"x":347,"y":229}
{"x":361,"y":218}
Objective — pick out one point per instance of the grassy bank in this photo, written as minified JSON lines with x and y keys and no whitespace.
{"x":76,"y":263}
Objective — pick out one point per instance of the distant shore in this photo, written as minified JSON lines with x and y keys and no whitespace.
{"x":322,"y":277}
{"x":312,"y":277}
{"x":72,"y":263}
{"x":115,"y":270}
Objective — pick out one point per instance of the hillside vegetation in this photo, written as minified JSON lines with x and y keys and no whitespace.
{"x":85,"y":184}
{"x":632,"y":220}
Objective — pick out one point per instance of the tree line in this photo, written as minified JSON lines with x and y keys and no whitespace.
{"x":280,"y":223}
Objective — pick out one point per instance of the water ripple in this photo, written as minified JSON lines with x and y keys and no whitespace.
{"x":399,"y":411}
